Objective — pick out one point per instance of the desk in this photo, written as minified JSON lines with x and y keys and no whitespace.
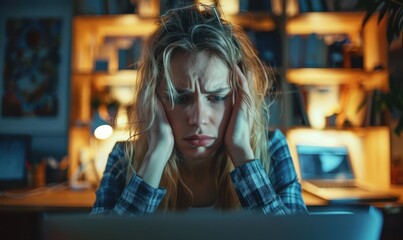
{"x":392,"y":212}
{"x":312,"y":200}
{"x":67,"y":199}
{"x":59,"y":199}
{"x":21,"y":215}
{"x":28,"y":212}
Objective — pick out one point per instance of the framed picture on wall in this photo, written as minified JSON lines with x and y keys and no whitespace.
{"x":34,"y":69}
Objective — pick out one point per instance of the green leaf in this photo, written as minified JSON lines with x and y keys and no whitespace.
{"x":383,"y":11}
{"x":399,"y":126}
{"x":389,"y":32}
{"x":371,"y":9}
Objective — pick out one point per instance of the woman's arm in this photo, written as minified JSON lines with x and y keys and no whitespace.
{"x":278,"y":193}
{"x":141,"y":195}
{"x":114,"y":196}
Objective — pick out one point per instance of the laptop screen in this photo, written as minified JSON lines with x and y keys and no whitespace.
{"x":324,"y":162}
{"x":14,"y":153}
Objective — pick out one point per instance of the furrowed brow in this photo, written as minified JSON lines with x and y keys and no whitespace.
{"x":218,"y":90}
{"x":213,"y":91}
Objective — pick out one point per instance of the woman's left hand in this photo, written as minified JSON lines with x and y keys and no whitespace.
{"x":238,"y":133}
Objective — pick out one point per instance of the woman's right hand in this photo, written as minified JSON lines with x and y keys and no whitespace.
{"x":160,"y":146}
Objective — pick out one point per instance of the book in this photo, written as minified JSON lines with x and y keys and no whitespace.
{"x":299,"y":100}
{"x":329,"y":5}
{"x":316,"y":52}
{"x":91,"y":7}
{"x":304,"y":6}
{"x":316,"y":6}
{"x":296,"y":44}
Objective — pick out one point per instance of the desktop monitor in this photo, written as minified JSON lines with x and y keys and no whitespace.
{"x":14,"y":155}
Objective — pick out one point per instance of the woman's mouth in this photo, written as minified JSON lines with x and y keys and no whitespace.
{"x":199,"y":140}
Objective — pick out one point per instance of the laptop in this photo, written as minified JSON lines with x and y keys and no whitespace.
{"x":327,"y":172}
{"x":217,"y":226}
{"x":14,"y":156}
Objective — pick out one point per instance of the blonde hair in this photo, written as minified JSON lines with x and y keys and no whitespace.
{"x":193,"y":29}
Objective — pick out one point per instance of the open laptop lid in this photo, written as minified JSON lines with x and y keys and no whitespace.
{"x":330,"y":165}
{"x":327,"y":163}
{"x":327,"y":225}
{"x":14,"y":154}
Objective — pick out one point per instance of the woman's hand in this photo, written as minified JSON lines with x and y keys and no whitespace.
{"x":237,"y":136}
{"x":160,"y":146}
{"x":160,"y":136}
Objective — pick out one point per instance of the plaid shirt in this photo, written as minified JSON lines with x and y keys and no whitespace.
{"x":276,"y":193}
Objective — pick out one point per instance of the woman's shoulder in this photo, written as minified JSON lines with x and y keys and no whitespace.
{"x":119,"y":148}
{"x":276,"y":135}
{"x":277,"y":144}
{"x":118,"y":155}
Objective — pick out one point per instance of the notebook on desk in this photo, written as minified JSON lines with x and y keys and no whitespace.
{"x":327,"y":172}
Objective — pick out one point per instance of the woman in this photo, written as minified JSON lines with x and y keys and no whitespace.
{"x":199,"y":127}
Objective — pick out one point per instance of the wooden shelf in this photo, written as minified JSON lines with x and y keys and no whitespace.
{"x":254,"y":21}
{"x":336,"y":76}
{"x":325,"y":23}
{"x":89,"y":33}
{"x":116,"y":25}
{"x":100,"y":80}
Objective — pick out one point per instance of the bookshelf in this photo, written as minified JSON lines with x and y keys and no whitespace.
{"x":331,"y":76}
{"x":371,"y":159}
{"x":90,"y":34}
{"x":371,"y":39}
{"x":88,"y":38}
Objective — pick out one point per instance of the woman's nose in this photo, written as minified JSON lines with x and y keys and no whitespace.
{"x":198,"y":113}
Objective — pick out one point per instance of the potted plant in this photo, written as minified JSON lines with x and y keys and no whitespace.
{"x":393,"y":11}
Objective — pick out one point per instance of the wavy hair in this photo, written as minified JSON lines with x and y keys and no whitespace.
{"x":193,"y":29}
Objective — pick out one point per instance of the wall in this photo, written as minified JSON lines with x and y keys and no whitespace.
{"x":46,"y":143}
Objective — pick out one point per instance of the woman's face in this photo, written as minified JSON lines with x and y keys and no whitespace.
{"x":203,"y":107}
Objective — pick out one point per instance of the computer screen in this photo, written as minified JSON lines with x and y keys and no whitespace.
{"x":14,"y":154}
{"x":324,"y":162}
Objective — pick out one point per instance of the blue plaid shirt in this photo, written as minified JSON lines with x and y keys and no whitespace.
{"x":276,"y":193}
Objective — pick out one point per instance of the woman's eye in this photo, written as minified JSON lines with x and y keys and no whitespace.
{"x":182,"y":99}
{"x":216,"y":99}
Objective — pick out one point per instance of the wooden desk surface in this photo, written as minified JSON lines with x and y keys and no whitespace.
{"x":24,"y":215}
{"x":66,"y":198}
{"x":45,"y":199}
{"x":312,"y":200}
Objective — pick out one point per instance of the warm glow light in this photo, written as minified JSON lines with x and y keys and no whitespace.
{"x":349,"y":23}
{"x":148,"y":8}
{"x":123,"y":94}
{"x":206,"y":2}
{"x":323,"y":101}
{"x":103,"y":132}
{"x":229,"y":7}
{"x":121,"y":119}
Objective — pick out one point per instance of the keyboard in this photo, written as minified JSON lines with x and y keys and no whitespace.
{"x":334,"y":184}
